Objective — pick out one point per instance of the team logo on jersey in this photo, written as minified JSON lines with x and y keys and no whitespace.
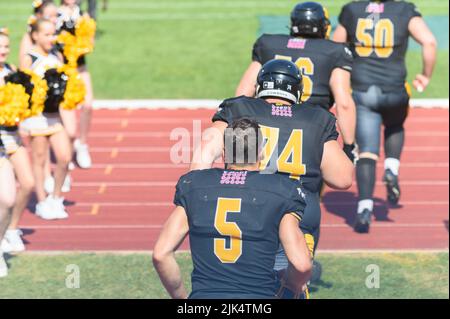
{"x":296,"y":44}
{"x":281,"y":110}
{"x":375,"y":7}
{"x":233,"y":178}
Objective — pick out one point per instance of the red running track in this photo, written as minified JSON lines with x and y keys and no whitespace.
{"x":121,"y":203}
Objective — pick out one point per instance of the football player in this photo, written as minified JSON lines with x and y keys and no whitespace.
{"x":378,"y":34}
{"x":326,"y":66}
{"x":235,"y":218}
{"x":300,"y":140}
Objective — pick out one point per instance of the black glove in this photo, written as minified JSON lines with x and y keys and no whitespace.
{"x":351,"y":150}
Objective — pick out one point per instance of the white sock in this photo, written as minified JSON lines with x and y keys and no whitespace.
{"x":365,"y":204}
{"x":393,"y":164}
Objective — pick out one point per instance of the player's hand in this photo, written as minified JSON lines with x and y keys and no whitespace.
{"x":421,"y":82}
{"x":351,"y":150}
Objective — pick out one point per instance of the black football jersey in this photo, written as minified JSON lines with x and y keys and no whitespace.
{"x":378,"y":35}
{"x":294,"y":136}
{"x":234,"y":219}
{"x":316,"y":58}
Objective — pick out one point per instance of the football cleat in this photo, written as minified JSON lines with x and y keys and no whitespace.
{"x":363,"y":221}
{"x":392,"y":187}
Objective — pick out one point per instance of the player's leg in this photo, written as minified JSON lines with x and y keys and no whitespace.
{"x":24,"y":175}
{"x":7,"y":199}
{"x":368,"y":139}
{"x":39,"y":154}
{"x":69,"y":119}
{"x":396,"y":111}
{"x":62,"y":149}
{"x":81,"y":147}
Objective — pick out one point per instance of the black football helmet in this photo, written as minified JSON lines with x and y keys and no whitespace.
{"x":310,"y":20}
{"x":280,"y":79}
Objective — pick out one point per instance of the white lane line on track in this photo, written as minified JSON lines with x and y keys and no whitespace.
{"x":158,"y":226}
{"x":165,"y":120}
{"x":174,"y":166}
{"x":170,"y":184}
{"x":413,"y":133}
{"x":213,"y":104}
{"x":170,"y":204}
{"x":164,"y":149}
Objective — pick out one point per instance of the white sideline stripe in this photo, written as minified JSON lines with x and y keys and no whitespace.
{"x":170,"y":184}
{"x":213,"y":104}
{"x":164,"y":204}
{"x":184,"y":251}
{"x":155,"y":226}
{"x":203,"y":4}
{"x":176,"y":166}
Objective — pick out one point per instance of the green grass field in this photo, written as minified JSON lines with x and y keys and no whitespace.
{"x":405,"y":275}
{"x":189,"y":49}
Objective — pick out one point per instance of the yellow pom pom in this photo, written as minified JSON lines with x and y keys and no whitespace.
{"x":79,"y":44}
{"x":75,"y":89}
{"x":39,"y":94}
{"x":13,"y":104}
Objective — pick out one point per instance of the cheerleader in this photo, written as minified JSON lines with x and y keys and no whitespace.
{"x":18,"y":156}
{"x":7,"y":180}
{"x":68,"y":14}
{"x":42,"y":9}
{"x":47,"y":128}
{"x":7,"y":198}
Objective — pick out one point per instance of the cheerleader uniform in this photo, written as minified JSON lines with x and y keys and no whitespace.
{"x":47,"y":123}
{"x":10,"y":140}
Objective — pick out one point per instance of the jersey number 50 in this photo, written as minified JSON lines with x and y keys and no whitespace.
{"x":382,"y":41}
{"x":232,"y":253}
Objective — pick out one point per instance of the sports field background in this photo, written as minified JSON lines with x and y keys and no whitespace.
{"x":402,"y":275}
{"x":183,"y":49}
{"x":193,"y":48}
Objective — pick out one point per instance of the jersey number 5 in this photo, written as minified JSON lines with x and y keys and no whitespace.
{"x":232,"y":253}
{"x":306,"y":66}
{"x":382,"y":41}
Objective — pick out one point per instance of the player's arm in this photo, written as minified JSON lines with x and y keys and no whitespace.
{"x":26,"y":62}
{"x":336,"y":168}
{"x":297,"y":252}
{"x":340,"y":34}
{"x":210,"y":148}
{"x":172,"y":235}
{"x":345,"y":106}
{"x":25,"y":47}
{"x":247,"y":85}
{"x":422,"y":34}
